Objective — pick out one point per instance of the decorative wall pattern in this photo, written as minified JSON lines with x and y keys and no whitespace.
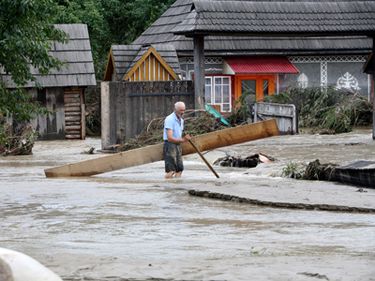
{"x":303,"y":81}
{"x":348,"y":82}
{"x":343,"y":72}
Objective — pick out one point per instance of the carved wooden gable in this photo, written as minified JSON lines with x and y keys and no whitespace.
{"x":150,"y":66}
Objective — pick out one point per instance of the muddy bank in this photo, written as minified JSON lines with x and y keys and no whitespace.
{"x":285,"y":205}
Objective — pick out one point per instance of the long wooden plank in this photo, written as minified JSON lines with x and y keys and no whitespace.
{"x":154,"y":153}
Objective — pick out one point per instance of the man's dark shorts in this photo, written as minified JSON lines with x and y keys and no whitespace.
{"x":172,"y":157}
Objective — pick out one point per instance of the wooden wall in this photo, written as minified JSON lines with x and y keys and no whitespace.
{"x":50,"y":126}
{"x":151,"y":70}
{"x":66,"y":118}
{"x":128,"y":107}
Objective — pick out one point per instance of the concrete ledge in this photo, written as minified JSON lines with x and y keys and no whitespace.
{"x":304,"y":206}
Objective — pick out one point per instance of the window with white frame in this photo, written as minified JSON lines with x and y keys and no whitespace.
{"x":218,"y":92}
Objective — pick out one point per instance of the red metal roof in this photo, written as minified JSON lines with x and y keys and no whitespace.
{"x":261,"y":65}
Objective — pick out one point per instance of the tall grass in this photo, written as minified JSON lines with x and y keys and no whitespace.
{"x":330,"y":109}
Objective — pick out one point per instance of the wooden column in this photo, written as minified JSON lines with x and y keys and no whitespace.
{"x":199,"y":76}
{"x":373,"y":104}
{"x":372,"y":72}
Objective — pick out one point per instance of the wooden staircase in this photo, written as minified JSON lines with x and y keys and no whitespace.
{"x":74,"y":107}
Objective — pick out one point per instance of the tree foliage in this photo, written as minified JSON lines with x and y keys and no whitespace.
{"x":110,"y":21}
{"x":25,"y":36}
{"x":26,"y":32}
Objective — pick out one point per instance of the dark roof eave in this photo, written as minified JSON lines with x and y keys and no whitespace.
{"x":274,"y":33}
{"x":184,"y":53}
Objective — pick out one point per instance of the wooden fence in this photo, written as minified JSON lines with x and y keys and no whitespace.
{"x":128,"y":107}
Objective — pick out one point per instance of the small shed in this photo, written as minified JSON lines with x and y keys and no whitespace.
{"x":62,"y":91}
{"x":158,"y":62}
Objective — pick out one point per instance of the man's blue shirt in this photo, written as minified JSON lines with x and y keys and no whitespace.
{"x":173,"y":123}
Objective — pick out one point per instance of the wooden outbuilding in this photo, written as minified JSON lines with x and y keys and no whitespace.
{"x":62,"y":91}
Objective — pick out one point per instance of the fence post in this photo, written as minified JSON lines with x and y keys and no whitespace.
{"x":108,"y":116}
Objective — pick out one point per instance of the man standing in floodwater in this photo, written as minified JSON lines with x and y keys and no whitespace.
{"x":172,"y":135}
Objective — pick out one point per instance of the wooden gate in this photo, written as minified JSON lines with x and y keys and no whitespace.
{"x":74,"y":107}
{"x":285,"y":115}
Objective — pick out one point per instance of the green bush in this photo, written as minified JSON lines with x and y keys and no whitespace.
{"x":329,"y":109}
{"x":293,"y":170}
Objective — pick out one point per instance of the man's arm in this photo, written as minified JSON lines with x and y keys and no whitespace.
{"x":176,"y":140}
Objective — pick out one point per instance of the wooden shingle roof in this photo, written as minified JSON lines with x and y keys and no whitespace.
{"x":78,"y":67}
{"x":161,"y":32}
{"x":123,"y":57}
{"x":267,"y":18}
{"x":126,"y":56}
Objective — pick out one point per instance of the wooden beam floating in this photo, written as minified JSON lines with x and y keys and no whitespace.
{"x":154,"y":153}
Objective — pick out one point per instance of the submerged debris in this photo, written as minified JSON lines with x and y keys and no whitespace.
{"x":312,"y":171}
{"x":196,"y":123}
{"x":359,"y":173}
{"x":17,"y":141}
{"x":248,"y":162}
{"x":91,"y":150}
{"x":317,"y":171}
{"x":316,"y":275}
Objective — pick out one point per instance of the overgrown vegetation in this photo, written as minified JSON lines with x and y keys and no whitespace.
{"x":17,"y":141}
{"x":293,"y":170}
{"x":241,"y":111}
{"x":330,"y":110}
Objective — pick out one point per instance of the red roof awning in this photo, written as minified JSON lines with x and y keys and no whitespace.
{"x":259,"y":64}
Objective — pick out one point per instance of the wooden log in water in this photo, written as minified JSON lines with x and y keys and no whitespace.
{"x":154,"y":153}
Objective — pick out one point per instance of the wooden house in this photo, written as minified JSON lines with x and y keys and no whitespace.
{"x":257,"y":66}
{"x":62,"y":91}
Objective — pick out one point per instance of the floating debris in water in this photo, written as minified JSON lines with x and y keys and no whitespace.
{"x":249,"y":162}
{"x":91,"y":150}
{"x":359,"y":173}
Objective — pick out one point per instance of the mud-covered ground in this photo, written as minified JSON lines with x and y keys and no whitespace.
{"x":132,"y":224}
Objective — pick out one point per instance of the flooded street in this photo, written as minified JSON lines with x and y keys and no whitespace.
{"x":133,"y":224}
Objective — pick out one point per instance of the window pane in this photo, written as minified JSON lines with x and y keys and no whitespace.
{"x":207,"y":93}
{"x":225,"y":107}
{"x":265,"y":87}
{"x":218,"y":81}
{"x":208,"y":80}
{"x":249,"y":91}
{"x":226,"y":80}
{"x":248,"y":87}
{"x":217,"y":93}
{"x":226,"y":94}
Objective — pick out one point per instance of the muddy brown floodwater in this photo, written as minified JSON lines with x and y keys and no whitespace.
{"x":132,"y":224}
